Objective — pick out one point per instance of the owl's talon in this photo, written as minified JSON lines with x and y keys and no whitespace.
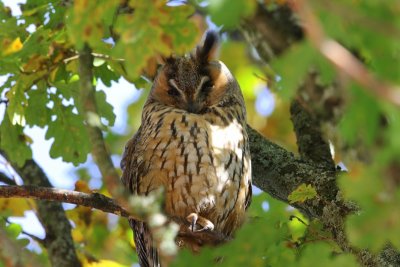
{"x":195,"y":219}
{"x":192,"y":218}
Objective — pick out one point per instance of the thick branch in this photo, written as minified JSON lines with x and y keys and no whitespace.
{"x":94,"y":200}
{"x":278,"y":172}
{"x":310,"y":142}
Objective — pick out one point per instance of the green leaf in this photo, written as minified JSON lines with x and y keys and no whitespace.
{"x":71,"y":140}
{"x":88,"y":21}
{"x":105,"y":74}
{"x":302,"y":193}
{"x":17,"y":97}
{"x":154,"y":29}
{"x":68,"y":90}
{"x":183,"y":32}
{"x":38,"y":43}
{"x":17,"y":103}
{"x":378,"y":203}
{"x":293,"y":66}
{"x":362,"y":113}
{"x":280,"y":255}
{"x":104,"y":109}
{"x":321,"y":254}
{"x":247,"y":249}
{"x":14,"y":142}
{"x":229,"y":13}
{"x":37,"y":113}
{"x":140,"y":37}
{"x":14,"y":230}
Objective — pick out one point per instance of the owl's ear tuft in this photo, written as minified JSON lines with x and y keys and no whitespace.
{"x":169,"y":60}
{"x":208,"y":50}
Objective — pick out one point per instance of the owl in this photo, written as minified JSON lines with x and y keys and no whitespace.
{"x":193,"y":143}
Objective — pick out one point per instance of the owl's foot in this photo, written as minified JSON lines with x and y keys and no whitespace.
{"x":196,"y":220}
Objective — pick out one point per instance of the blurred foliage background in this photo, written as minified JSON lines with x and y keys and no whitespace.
{"x":40,"y":88}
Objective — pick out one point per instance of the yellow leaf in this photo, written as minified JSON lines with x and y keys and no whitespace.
{"x":77,"y":235}
{"x":17,"y":206}
{"x":15,"y":46}
{"x":82,"y":186}
{"x":102,"y":263}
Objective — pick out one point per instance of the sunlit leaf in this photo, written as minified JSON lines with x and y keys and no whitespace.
{"x":14,"y":230}
{"x":103,"y":263}
{"x":302,"y":193}
{"x":13,"y":47}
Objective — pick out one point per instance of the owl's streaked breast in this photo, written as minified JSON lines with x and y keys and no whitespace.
{"x":200,"y":159}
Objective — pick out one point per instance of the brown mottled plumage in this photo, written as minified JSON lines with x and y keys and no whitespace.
{"x":193,"y":142}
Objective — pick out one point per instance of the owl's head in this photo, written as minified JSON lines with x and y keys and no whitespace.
{"x":196,"y":81}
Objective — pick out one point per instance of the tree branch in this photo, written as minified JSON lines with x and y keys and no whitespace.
{"x":310,"y":140}
{"x":278,"y":172}
{"x":106,"y":204}
{"x":94,"y":200}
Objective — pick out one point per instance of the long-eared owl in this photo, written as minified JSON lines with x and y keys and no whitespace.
{"x":192,"y":142}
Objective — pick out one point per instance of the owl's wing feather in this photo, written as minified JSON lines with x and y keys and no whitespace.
{"x":132,"y":165}
{"x":248,"y":197}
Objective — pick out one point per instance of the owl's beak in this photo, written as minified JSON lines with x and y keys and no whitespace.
{"x":193,"y":107}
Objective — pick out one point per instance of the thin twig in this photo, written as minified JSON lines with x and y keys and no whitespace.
{"x":5,"y":179}
{"x":96,"y":55}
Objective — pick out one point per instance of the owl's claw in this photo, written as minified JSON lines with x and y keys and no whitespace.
{"x":195,"y":219}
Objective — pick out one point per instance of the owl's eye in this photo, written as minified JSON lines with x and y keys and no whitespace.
{"x":173,"y":88}
{"x":172,"y":91}
{"x":207,"y":86}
